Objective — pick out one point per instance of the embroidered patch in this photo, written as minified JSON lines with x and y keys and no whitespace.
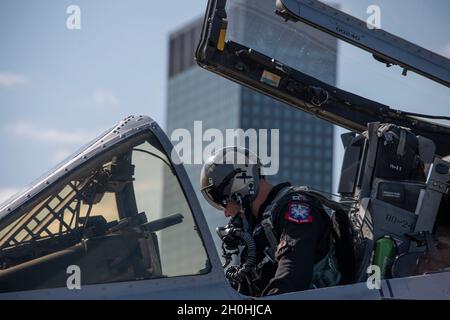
{"x":299,"y":213}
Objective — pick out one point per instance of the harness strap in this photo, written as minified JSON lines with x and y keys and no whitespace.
{"x":267,"y":224}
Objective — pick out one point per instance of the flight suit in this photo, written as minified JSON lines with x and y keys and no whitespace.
{"x":303,"y":231}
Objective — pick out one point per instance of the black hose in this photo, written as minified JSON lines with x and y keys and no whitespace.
{"x":239,"y":274}
{"x":251,"y":254}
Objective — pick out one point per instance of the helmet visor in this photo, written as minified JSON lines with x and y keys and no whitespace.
{"x":213,"y":198}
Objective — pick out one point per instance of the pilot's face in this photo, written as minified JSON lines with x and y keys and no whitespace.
{"x":232,"y":209}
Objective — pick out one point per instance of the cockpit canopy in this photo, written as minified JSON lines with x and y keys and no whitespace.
{"x":321,"y":60}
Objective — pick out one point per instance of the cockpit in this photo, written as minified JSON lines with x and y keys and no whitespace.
{"x":120,"y":216}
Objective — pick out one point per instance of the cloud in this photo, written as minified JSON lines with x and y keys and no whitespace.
{"x":36,"y":133}
{"x":10,"y":80}
{"x":105,"y":97}
{"x":6,"y":193}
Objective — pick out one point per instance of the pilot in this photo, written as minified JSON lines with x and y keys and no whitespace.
{"x":281,"y":220}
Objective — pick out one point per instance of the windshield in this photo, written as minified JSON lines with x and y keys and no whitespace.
{"x":123,"y":217}
{"x":253,"y":23}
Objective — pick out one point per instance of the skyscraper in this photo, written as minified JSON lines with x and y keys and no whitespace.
{"x":305,"y":142}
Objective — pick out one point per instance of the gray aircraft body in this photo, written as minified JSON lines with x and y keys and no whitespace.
{"x":120,"y":219}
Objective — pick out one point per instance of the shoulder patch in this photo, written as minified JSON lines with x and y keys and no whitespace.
{"x":298,"y":213}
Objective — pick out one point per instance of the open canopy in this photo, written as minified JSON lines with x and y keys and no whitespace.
{"x":256,"y":43}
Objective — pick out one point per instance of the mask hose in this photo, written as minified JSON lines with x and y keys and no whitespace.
{"x":238,"y":274}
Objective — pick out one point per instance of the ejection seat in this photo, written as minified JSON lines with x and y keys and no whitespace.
{"x":398,"y":184}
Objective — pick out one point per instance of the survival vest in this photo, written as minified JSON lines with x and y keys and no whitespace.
{"x":337,"y":267}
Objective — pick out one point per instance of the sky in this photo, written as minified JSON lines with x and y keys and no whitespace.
{"x":59,"y":88}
